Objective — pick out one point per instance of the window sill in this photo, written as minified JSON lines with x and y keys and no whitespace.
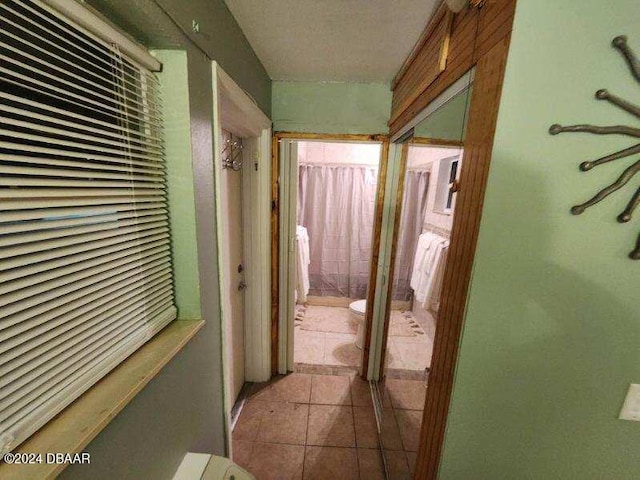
{"x":73,"y":428}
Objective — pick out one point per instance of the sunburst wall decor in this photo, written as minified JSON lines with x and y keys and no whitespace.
{"x":620,"y":43}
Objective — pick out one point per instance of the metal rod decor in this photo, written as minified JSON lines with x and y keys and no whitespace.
{"x":619,"y":43}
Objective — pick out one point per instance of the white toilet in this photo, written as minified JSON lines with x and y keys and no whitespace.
{"x":357,"y":310}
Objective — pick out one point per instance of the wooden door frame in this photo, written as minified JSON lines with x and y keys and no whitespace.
{"x":383,"y":139}
{"x":478,"y":144}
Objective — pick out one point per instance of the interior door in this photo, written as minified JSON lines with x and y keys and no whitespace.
{"x":231,"y":195}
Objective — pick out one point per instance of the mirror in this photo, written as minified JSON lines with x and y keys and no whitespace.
{"x":430,"y":161}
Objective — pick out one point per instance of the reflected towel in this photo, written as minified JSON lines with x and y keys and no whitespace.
{"x":302,"y":264}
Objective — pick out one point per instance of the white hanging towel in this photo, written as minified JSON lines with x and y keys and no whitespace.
{"x":436,"y":275}
{"x":302,"y":264}
{"x":422,"y":249}
{"x":425,"y":267}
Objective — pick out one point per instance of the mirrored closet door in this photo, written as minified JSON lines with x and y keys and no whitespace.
{"x":429,"y":163}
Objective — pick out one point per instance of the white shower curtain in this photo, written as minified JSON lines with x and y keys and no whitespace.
{"x":414,"y":208}
{"x":336,"y":204}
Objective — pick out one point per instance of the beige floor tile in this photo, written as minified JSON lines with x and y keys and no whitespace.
{"x":271,"y":461}
{"x":248,"y":423}
{"x":331,"y":425}
{"x":390,"y":433}
{"x":331,"y":389}
{"x":360,"y":392}
{"x":409,"y":423}
{"x":295,"y":387}
{"x":406,"y":394}
{"x":340,"y":349}
{"x":329,"y":463}
{"x":308,"y":347}
{"x":283,"y":422}
{"x":397,"y":465}
{"x":415,"y":356}
{"x":411,"y":460}
{"x":364,"y":420}
{"x":242,"y":452}
{"x":328,"y":319}
{"x":393,"y":358}
{"x":370,"y":464}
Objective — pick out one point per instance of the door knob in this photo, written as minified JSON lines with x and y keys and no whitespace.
{"x":242,"y":286}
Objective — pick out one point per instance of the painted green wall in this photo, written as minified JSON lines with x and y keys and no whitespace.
{"x":184,"y":248}
{"x":449,"y":122}
{"x":552,"y":334}
{"x":168,"y":23}
{"x":330,"y":107}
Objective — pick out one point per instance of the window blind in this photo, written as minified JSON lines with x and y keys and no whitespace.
{"x":85,"y":266}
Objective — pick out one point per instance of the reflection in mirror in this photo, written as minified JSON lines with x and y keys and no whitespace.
{"x":426,"y":196}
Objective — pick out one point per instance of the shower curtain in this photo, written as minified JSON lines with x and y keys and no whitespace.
{"x":336,"y":204}
{"x":414,"y":208}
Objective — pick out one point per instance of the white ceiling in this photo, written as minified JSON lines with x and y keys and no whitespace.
{"x":332,"y":40}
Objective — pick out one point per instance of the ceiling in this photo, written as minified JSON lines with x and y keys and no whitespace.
{"x":332,"y":40}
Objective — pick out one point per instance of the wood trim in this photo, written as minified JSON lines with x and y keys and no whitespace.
{"x":275,"y":219}
{"x":394,"y":246}
{"x":353,"y":137}
{"x":427,"y":65}
{"x":424,"y":37}
{"x":375,"y":255}
{"x":72,"y":429}
{"x":436,"y":142}
{"x":275,"y":252}
{"x":478,"y":145}
{"x":474,"y":31}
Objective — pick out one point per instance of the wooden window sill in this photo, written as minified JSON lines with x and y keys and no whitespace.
{"x":73,"y":428}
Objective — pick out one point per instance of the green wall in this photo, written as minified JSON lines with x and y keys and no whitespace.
{"x":552,"y":334}
{"x":449,"y":122}
{"x":330,"y":107}
{"x":168,"y":24}
{"x":180,"y":182}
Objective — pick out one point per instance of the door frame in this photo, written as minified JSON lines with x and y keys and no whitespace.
{"x":485,"y":101}
{"x":237,"y":113}
{"x":278,"y":364}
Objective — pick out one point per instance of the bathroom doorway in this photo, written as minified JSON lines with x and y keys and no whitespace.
{"x":330,"y":191}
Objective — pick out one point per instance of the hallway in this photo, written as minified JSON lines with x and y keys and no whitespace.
{"x":321,"y":426}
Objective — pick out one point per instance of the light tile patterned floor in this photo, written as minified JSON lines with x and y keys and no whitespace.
{"x":321,"y":427}
{"x":330,"y":343}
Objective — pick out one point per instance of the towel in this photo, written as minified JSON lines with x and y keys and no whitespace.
{"x":434,"y":283}
{"x":425,"y":265}
{"x":422,"y":249}
{"x":432,"y":302}
{"x":302,"y":264}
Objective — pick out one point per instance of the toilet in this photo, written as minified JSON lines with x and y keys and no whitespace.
{"x":357,"y":310}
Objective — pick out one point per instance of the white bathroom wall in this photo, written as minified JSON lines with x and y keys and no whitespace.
{"x":424,"y":156}
{"x":331,"y":153}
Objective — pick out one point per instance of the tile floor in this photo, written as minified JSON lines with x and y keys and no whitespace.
{"x":309,"y":427}
{"x":331,"y":343}
{"x":403,"y":404}
{"x":323,"y":427}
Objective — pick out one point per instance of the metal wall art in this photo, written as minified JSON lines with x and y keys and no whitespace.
{"x":620,"y":43}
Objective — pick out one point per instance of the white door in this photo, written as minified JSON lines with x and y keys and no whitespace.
{"x":231,"y":196}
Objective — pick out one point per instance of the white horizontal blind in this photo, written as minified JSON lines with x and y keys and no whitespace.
{"x":85,"y":270}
